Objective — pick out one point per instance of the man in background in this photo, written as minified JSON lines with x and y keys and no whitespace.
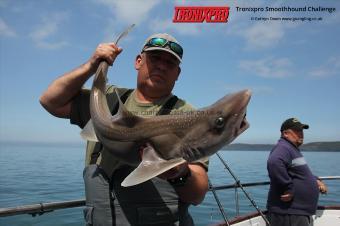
{"x":294,"y":190}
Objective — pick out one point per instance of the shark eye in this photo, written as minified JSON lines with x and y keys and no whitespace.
{"x":219,"y":122}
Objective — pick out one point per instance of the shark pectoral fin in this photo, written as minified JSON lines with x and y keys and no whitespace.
{"x":88,"y":132}
{"x":152,"y":165}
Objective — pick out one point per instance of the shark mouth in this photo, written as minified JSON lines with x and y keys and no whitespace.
{"x":244,"y":121}
{"x":243,"y":125}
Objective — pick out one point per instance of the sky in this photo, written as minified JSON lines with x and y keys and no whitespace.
{"x":292,"y":67}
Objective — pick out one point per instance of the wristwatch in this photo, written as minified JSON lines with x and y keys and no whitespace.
{"x":181,"y":180}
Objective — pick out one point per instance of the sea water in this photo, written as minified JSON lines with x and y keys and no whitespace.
{"x":33,"y":174}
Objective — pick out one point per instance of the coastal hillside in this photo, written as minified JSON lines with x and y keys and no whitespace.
{"x":322,"y":146}
{"x":313,"y":146}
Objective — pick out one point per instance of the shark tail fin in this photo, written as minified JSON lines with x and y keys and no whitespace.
{"x":151,"y":166}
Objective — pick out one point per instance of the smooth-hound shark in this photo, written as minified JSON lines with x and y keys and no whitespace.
{"x":169,"y":139}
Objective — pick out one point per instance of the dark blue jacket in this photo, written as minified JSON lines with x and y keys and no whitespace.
{"x":289,"y":172}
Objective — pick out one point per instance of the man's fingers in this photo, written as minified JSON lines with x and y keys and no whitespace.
{"x":286,"y":197}
{"x":107,"y":52}
{"x":323,"y":189}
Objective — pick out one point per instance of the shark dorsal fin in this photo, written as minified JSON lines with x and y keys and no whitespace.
{"x":88,"y":132}
{"x":151,"y":166}
{"x":124,"y":117}
{"x":122,"y":111}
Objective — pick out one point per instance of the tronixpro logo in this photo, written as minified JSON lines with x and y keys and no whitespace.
{"x":199,"y":14}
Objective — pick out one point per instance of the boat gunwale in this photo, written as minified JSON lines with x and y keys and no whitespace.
{"x":249,"y":216}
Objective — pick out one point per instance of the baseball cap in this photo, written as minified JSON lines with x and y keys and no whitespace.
{"x":164,"y":42}
{"x":293,"y":123}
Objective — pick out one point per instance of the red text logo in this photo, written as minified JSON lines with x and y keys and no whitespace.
{"x":199,"y":14}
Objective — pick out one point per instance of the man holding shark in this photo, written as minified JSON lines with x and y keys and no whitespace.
{"x":144,"y":170}
{"x":162,"y":200}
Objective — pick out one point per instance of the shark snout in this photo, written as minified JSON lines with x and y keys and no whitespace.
{"x":247,"y":92}
{"x":238,"y":101}
{"x":245,"y":95}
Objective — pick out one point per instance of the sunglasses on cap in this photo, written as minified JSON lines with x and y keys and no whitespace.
{"x":162,"y":42}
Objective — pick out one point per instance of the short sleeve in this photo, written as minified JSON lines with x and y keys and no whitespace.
{"x":80,"y":109}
